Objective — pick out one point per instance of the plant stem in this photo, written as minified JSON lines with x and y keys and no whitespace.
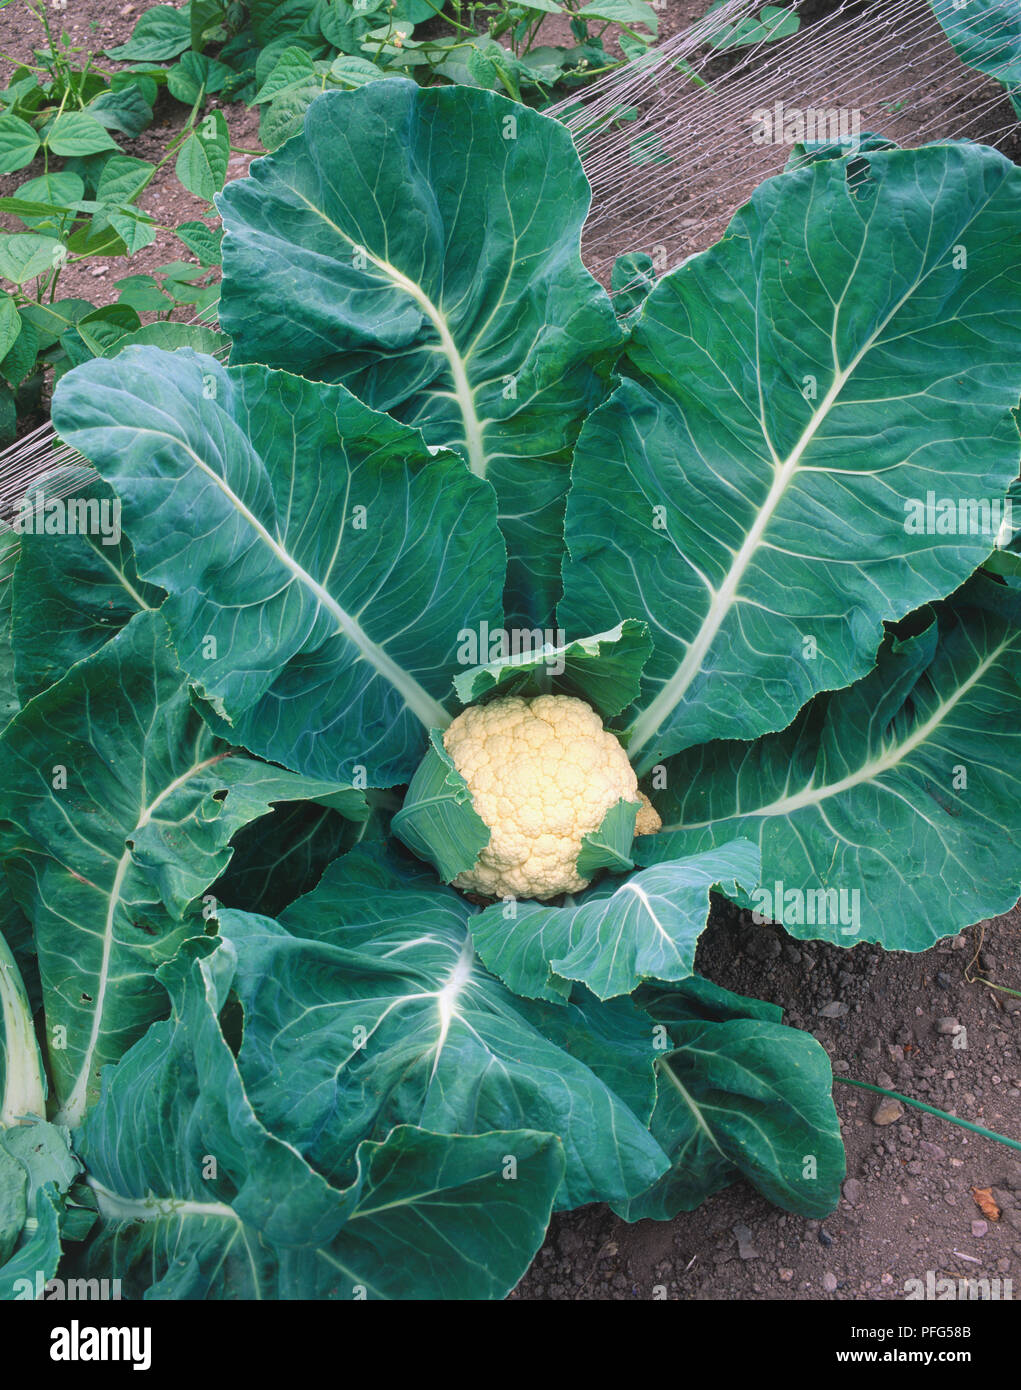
{"x":931,"y":1109}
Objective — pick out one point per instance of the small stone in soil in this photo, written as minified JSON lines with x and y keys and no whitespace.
{"x":745,"y":1244}
{"x":829,"y":1282}
{"x":948,"y":1026}
{"x":836,"y":1008}
{"x":887,"y":1112}
{"x":979,"y":1228}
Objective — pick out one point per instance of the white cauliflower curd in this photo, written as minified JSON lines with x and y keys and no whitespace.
{"x":542,"y":774}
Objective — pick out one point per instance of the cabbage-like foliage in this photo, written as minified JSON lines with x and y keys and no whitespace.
{"x":765,"y":535}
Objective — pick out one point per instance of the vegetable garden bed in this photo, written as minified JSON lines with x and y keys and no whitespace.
{"x":732,"y":511}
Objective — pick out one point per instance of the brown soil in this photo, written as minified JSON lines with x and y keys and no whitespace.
{"x":908,"y":1206}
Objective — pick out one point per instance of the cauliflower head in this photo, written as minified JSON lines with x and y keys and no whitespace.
{"x":542,"y":774}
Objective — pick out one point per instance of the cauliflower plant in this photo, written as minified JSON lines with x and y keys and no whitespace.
{"x":542,"y":774}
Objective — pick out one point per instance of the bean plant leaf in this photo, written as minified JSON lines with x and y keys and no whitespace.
{"x":153,"y":813}
{"x":18,"y":143}
{"x":772,"y":22}
{"x":425,"y":1215}
{"x":77,"y":133}
{"x":311,"y":628}
{"x":626,"y":12}
{"x":10,"y":325}
{"x":122,"y":179}
{"x":757,"y":493}
{"x":435,"y":234}
{"x":24,"y":255}
{"x":20,"y":357}
{"x":880,"y":813}
{"x":162,"y":32}
{"x":619,"y":932}
{"x":202,"y":159}
{"x":126,"y":111}
{"x":196,"y":75}
{"x":202,"y":240}
{"x":446,"y":1045}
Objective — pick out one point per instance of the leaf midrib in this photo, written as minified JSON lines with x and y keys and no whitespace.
{"x":429,"y":711}
{"x":463,"y":393}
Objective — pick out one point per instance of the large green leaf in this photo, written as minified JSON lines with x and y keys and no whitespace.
{"x":743,"y":1097}
{"x":293,"y":528}
{"x":840,"y":355}
{"x":121,"y":804}
{"x":617,"y":934}
{"x":386,"y":957}
{"x":886,"y":812}
{"x":425,"y":1215}
{"x":986,"y":34}
{"x":422,"y":246}
{"x":73,"y":589}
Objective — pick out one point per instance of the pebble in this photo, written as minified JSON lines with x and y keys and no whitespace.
{"x":948,"y":1026}
{"x":829,"y":1282}
{"x":852,"y":1191}
{"x":887,"y":1112}
{"x":836,"y":1008}
{"x":745,"y":1244}
{"x":979,"y":1228}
